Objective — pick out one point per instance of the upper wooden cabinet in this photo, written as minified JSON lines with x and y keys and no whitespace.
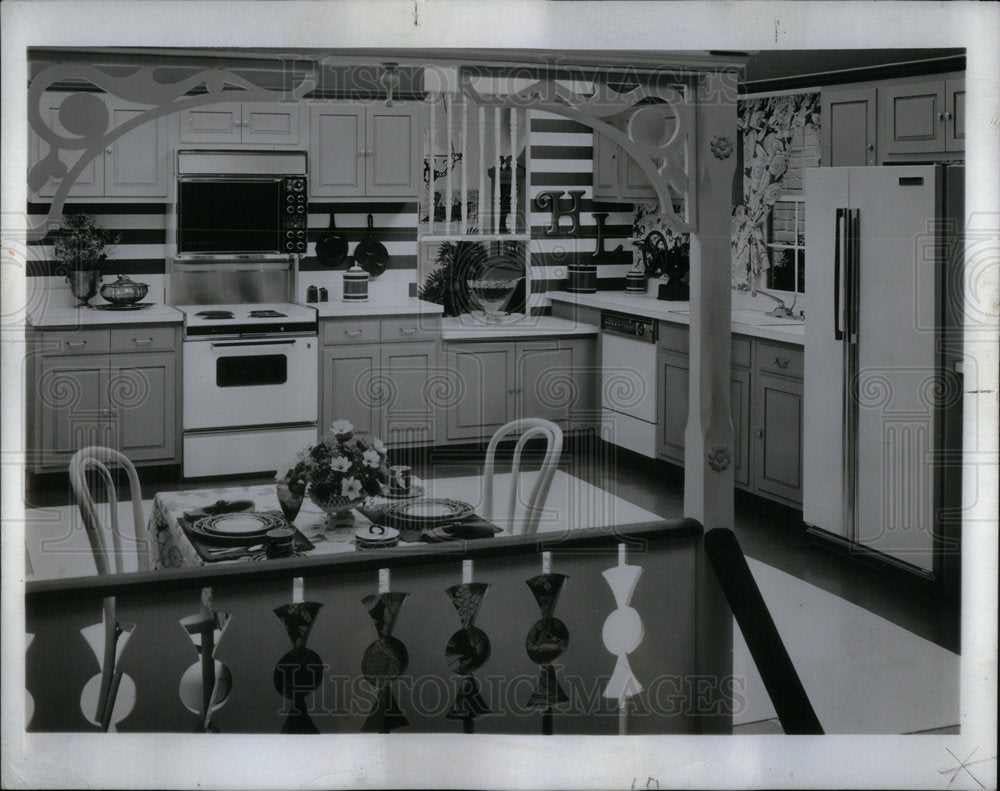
{"x":364,"y":150}
{"x":617,"y":176}
{"x":135,"y":164}
{"x":848,"y":127}
{"x":238,"y":123}
{"x":923,"y":117}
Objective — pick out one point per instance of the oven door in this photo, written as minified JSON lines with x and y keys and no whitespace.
{"x":262,"y":382}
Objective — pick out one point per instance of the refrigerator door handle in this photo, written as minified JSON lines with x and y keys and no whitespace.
{"x":838,"y":270}
{"x":853,"y":309}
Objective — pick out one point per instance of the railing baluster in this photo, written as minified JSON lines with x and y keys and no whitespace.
{"x":481,"y":213}
{"x":512,"y":223}
{"x":447,"y":164}
{"x":465,"y":162}
{"x":430,"y":161}
{"x":496,"y":178}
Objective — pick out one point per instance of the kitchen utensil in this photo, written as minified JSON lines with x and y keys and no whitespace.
{"x":124,"y":291}
{"x":370,"y":255}
{"x":331,"y":249}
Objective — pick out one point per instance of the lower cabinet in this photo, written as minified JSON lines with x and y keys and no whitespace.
{"x":389,"y":388}
{"x":125,"y":401}
{"x":491,"y":383}
{"x":766,"y":403}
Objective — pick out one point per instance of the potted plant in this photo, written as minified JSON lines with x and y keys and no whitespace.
{"x":456,"y":264}
{"x":81,"y":246}
{"x":340,"y":471}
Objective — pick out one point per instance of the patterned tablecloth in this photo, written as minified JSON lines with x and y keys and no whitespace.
{"x":172,"y":549}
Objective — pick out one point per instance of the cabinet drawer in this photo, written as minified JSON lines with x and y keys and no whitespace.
{"x":673,"y":337}
{"x":741,"y":351}
{"x":779,"y":359}
{"x":142,"y":339}
{"x":78,"y":342}
{"x":411,"y":328}
{"x":358,"y":331}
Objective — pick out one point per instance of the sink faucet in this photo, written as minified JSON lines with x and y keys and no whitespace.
{"x":782,"y":311}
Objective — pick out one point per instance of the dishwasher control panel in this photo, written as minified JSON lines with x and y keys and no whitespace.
{"x":638,"y":327}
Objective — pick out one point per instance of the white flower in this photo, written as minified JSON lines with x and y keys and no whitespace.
{"x":379,"y":446}
{"x":371,"y":458}
{"x":340,"y":464}
{"x":350,"y":488}
{"x":340,"y":427}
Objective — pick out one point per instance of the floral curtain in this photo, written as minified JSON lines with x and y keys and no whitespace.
{"x":767,"y":125}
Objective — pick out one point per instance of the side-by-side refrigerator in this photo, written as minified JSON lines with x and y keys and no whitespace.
{"x":883,"y":326}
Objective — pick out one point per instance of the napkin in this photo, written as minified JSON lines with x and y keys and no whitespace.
{"x":467,"y":529}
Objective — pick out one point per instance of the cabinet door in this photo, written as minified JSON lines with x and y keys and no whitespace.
{"x":778,"y":437}
{"x":556,"y":381}
{"x":673,"y":400}
{"x":408,"y":414}
{"x":606,"y":169}
{"x":954,"y":115}
{"x":392,"y":151}
{"x":136,"y":163}
{"x":71,"y":412}
{"x":213,"y":123}
{"x":270,"y":123}
{"x":350,"y":387}
{"x":140,"y":394}
{"x":337,"y":146}
{"x":848,"y":128}
{"x":914,"y":118}
{"x":90,"y":182}
{"x":482,"y":378}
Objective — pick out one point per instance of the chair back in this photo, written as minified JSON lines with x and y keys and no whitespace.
{"x":527,"y":428}
{"x":99,"y":458}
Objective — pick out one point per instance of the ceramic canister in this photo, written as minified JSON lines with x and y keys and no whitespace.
{"x":635,"y":282}
{"x":581,"y":278}
{"x":355,"y":284}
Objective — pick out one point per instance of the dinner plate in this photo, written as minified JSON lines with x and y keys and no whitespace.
{"x":427,"y":512}
{"x":415,"y":491}
{"x":243,"y":525}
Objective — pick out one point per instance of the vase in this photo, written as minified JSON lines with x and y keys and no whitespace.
{"x":83,"y":283}
{"x":339,"y":509}
{"x":289,"y":501}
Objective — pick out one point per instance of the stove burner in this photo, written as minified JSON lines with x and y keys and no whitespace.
{"x":215,"y":314}
{"x":267,"y":314}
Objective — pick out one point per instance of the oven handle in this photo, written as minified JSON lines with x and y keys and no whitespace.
{"x":218,"y":345}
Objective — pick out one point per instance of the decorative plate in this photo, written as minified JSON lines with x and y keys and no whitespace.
{"x":415,"y":491}
{"x":244,"y":525}
{"x":130,"y":306}
{"x":427,"y":512}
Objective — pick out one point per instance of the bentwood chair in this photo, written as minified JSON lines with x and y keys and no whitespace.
{"x":528,"y":428}
{"x":109,"y":560}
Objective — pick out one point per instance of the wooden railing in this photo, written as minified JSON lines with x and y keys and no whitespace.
{"x":427,"y":669}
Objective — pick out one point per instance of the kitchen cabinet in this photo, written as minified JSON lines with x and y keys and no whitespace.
{"x":492,"y":383}
{"x":364,"y":150}
{"x":673,"y":366}
{"x":118,"y":388}
{"x":616,"y":174}
{"x":380,"y":375}
{"x":924,"y":117}
{"x":134,"y":165}
{"x":239,"y":123}
{"x":777,"y":422}
{"x":848,"y":127}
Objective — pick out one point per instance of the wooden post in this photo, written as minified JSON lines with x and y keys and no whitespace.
{"x":708,"y":439}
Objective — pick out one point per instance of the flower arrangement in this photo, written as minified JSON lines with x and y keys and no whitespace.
{"x":343,"y":467}
{"x":80,"y":243}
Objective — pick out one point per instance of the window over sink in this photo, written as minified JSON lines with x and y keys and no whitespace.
{"x":786,"y":240}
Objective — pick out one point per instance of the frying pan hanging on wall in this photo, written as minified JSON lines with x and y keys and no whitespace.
{"x":371,"y":255}
{"x":331,"y":249}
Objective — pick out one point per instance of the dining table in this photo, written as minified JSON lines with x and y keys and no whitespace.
{"x":573,"y":503}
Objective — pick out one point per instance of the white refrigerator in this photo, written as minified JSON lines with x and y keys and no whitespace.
{"x":882,"y":277}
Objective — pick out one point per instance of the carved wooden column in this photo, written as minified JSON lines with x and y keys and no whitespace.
{"x":708,"y":439}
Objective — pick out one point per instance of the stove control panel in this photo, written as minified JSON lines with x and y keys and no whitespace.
{"x":294,"y":238}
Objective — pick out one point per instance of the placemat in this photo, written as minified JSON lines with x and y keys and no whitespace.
{"x":206,"y":550}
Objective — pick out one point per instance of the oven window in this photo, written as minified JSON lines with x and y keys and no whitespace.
{"x":251,"y":370}
{"x":236,"y":216}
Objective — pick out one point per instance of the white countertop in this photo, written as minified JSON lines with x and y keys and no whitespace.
{"x":51,"y":316}
{"x":469,"y":328}
{"x":390,"y":306}
{"x":752,"y":323}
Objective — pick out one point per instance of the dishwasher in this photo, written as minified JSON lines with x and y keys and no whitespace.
{"x":628,"y":382}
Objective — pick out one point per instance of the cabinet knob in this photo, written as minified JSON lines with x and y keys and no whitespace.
{"x":782,"y":362}
{"x":361,"y":152}
{"x":941,"y":116}
{"x":871,"y":146}
{"x":108,"y":149}
{"x":947,"y":116}
{"x":760,"y":433}
{"x":511,"y":389}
